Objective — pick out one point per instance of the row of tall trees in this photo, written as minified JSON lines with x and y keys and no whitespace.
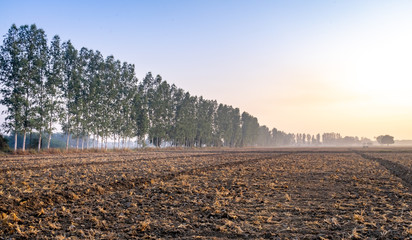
{"x":45,"y":86}
{"x":50,"y":85}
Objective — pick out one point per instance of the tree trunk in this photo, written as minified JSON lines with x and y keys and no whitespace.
{"x":39,"y":146}
{"x":82,"y":142}
{"x":67,"y":140}
{"x":50,"y":133}
{"x":77,"y":143}
{"x":49,"y":140}
{"x":24,"y":140}
{"x":15,"y":141}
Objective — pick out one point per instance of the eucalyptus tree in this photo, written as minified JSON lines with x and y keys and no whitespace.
{"x":151,"y":84}
{"x":39,"y":73}
{"x":53,"y":85}
{"x":138,"y":115}
{"x":96,"y":88}
{"x":280,"y":138}
{"x":115,"y":101}
{"x":250,"y":128}
{"x":236,"y":136}
{"x":161,"y":104}
{"x":158,"y":99}
{"x":147,"y":88}
{"x":204,"y":118}
{"x":11,"y":82}
{"x":85,"y":76}
{"x":109,"y":93}
{"x":69,"y":87}
{"x":34,"y":59}
{"x":128,"y":90}
{"x":264,"y":137}
{"x":176,"y":131}
{"x":224,"y":125}
{"x":185,"y":123}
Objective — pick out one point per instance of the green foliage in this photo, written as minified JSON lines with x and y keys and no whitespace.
{"x":250,"y":129}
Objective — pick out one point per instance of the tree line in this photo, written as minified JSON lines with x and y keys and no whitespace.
{"x":45,"y":85}
{"x":96,"y":99}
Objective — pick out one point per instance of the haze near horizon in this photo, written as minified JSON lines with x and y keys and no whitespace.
{"x":302,"y":67}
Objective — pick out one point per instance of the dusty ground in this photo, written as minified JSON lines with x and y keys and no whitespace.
{"x":269,"y":194}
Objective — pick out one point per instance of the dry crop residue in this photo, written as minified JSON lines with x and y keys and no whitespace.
{"x":193,"y":194}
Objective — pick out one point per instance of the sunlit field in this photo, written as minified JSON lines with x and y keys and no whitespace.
{"x":336,"y":193}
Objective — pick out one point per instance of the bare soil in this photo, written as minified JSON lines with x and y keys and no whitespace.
{"x":208,"y":194}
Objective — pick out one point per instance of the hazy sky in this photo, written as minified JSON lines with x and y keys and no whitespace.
{"x":299,"y":66}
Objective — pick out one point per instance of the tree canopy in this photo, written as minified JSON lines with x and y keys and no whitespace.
{"x":385,"y":139}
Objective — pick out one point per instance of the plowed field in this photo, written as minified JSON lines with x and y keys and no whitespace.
{"x":214,"y":194}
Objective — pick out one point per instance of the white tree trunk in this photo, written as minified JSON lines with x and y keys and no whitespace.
{"x":48,"y":141}
{"x":15,"y":141}
{"x":50,"y":133}
{"x":67,"y":140}
{"x":39,"y":146}
{"x":24,"y":140}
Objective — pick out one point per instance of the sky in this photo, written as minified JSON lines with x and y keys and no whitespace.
{"x":299,"y":66}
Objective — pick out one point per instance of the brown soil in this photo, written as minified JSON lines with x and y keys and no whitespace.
{"x":210,"y":194}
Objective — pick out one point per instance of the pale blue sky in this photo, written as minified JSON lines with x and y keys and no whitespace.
{"x":300,"y":66}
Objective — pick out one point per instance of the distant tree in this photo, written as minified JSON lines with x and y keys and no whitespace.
{"x":331,"y":138}
{"x":385,"y":139}
{"x":280,"y":138}
{"x":264,"y":136}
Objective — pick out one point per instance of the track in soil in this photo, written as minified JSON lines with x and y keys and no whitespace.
{"x":396,"y":169}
